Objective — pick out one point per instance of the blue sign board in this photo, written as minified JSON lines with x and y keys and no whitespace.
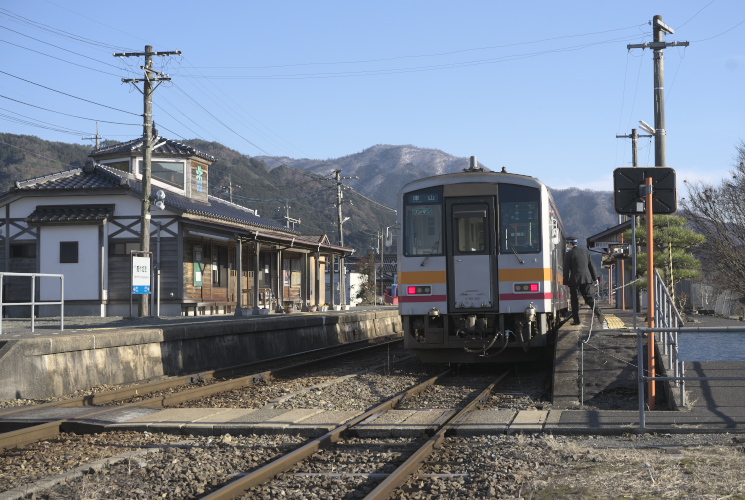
{"x":140,"y":289}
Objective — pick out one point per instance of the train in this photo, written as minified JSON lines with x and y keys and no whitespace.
{"x":480,"y":267}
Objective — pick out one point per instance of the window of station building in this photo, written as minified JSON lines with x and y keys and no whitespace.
{"x":171,"y":172}
{"x":119,"y":165}
{"x":23,"y":250}
{"x":219,"y":266}
{"x":68,"y":252}
{"x":123,"y":248}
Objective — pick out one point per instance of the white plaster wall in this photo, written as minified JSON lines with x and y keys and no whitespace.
{"x":82,"y":280}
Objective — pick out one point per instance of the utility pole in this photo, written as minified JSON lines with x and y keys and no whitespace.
{"x":636,"y":298}
{"x":659,"y":45}
{"x":289,"y":219}
{"x":340,"y":222}
{"x":147,"y":146}
{"x":96,"y":138}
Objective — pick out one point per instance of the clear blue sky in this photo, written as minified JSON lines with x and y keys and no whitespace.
{"x":540,"y":87}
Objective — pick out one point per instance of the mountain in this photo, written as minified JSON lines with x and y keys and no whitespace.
{"x":381,"y":170}
{"x":302,"y":188}
{"x":384,"y":169}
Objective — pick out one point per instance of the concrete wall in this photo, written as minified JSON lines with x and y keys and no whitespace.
{"x":54,"y":366}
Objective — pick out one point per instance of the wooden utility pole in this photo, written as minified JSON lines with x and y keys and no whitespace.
{"x":147,"y":146}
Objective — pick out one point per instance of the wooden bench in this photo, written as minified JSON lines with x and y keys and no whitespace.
{"x":202,"y":308}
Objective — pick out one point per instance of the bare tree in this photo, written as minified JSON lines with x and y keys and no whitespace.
{"x":718,"y":212}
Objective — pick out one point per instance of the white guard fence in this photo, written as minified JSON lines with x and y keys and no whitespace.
{"x":33,"y":303}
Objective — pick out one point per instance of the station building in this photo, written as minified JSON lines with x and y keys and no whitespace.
{"x":210,"y":256}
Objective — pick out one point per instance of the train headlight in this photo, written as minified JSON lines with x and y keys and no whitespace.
{"x":419,"y":290}
{"x":527,"y":287}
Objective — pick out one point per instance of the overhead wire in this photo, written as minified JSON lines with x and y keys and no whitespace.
{"x":68,"y":114}
{"x":69,"y":95}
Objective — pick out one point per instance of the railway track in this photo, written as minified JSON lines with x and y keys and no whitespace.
{"x":169,"y":392}
{"x":404,"y":467}
{"x":149,"y":465}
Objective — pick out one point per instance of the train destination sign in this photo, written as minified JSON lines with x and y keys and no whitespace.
{"x":628,"y":185}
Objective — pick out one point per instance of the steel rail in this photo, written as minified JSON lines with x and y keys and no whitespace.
{"x":48,"y":430}
{"x":398,"y":477}
{"x":286,"y":462}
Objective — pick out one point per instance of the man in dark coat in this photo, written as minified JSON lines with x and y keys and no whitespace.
{"x":580,"y":275}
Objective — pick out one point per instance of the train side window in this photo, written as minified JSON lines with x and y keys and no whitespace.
{"x":470,"y":228}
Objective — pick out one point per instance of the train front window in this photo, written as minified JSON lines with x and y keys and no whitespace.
{"x":423,"y":222}
{"x":470,"y":227}
{"x":520,"y":219}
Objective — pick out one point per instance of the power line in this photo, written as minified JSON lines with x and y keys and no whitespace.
{"x":60,"y":48}
{"x":69,"y":95}
{"x":37,"y":154}
{"x":67,"y":114}
{"x":440,"y":54}
{"x":415,"y":69}
{"x":58,"y":58}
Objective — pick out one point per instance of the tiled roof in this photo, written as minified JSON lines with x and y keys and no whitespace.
{"x":161,"y":145}
{"x":76,"y":178}
{"x":104,"y":177}
{"x":50,"y":214}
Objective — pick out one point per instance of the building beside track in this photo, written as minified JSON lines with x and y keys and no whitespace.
{"x":213,"y":256}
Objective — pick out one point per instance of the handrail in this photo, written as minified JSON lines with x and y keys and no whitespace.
{"x":667,"y":316}
{"x":643,"y":379}
{"x":34,"y":302}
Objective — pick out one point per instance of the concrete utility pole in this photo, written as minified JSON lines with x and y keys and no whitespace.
{"x":340,"y":222}
{"x":147,"y":146}
{"x":659,"y":45}
{"x":96,"y":137}
{"x":634,"y":136}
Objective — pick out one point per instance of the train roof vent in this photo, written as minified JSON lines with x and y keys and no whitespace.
{"x":473,"y":166}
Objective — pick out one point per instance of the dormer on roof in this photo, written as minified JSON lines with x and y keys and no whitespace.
{"x":175,"y":166}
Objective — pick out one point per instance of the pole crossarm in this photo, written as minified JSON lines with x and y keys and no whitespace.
{"x":656,"y":45}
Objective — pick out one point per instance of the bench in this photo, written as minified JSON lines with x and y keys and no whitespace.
{"x":207,"y":308}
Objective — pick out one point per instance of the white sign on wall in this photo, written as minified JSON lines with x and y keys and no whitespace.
{"x":140,"y":275}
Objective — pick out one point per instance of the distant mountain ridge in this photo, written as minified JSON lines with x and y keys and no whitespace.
{"x":280,"y":185}
{"x":382,"y":169}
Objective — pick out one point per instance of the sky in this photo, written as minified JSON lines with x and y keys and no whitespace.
{"x":542,"y":88}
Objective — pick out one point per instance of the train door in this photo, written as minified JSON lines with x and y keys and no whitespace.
{"x":470,"y":253}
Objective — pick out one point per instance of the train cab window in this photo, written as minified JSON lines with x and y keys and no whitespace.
{"x":520,"y":219}
{"x":470,"y":227}
{"x":423,"y":222}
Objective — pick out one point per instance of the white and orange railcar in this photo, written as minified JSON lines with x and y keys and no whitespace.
{"x":480,"y":262}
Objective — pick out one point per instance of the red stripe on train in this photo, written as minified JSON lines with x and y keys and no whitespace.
{"x":526,"y":296}
{"x":421,"y":298}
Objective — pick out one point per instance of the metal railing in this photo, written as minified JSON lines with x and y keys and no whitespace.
{"x":33,"y":302}
{"x":667,"y":316}
{"x":668,"y":321}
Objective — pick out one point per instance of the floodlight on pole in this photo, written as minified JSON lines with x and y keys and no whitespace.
{"x":646,"y":127}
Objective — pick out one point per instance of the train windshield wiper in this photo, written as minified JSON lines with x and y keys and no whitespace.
{"x":430,"y":252}
{"x":514,"y":250}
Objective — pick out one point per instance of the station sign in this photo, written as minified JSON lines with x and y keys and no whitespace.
{"x":140,"y":275}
